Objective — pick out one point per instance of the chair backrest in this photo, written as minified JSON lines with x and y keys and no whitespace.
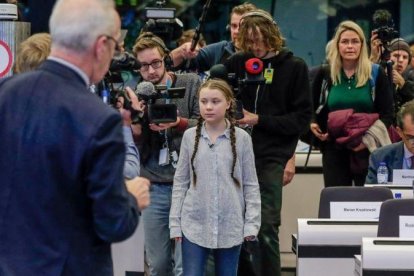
{"x":343,"y":194}
{"x":389,"y":218}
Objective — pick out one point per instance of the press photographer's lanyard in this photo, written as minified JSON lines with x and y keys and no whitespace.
{"x":168,"y":155}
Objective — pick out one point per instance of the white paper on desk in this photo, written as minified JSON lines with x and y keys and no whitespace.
{"x":355,"y":209}
{"x":403,"y":177}
{"x":406,"y":226}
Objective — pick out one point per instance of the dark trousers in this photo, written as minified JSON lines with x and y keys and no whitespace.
{"x":342,"y":166}
{"x":262,"y":258}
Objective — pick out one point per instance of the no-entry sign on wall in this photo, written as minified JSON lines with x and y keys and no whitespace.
{"x":6,"y":58}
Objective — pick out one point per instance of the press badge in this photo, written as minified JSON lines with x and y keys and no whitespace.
{"x":164,"y":157}
{"x":268,"y":75}
{"x":174,"y":157}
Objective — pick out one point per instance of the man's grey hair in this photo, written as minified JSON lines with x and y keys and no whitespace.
{"x":406,"y":109}
{"x":76,"y":24}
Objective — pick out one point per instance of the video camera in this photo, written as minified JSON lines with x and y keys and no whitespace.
{"x":112,"y":86}
{"x":159,"y":112}
{"x":384,"y":26}
{"x":120,"y":63}
{"x":253,"y":76}
{"x":163,"y":23}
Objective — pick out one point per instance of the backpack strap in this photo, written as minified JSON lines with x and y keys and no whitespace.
{"x":373,"y":79}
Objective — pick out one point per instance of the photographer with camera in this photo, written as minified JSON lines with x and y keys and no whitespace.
{"x":159,"y":145}
{"x":278,"y":111}
{"x":394,"y":55}
{"x":402,"y":78}
{"x":203,"y":59}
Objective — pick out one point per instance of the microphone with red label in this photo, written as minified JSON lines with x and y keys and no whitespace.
{"x":254,"y":72}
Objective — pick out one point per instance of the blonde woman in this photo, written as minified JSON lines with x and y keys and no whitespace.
{"x":348,"y":82}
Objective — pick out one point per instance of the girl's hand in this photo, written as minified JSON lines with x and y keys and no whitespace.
{"x":250,"y":238}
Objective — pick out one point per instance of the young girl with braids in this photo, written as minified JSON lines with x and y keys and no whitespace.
{"x":216,"y":197}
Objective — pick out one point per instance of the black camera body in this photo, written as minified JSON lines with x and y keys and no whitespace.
{"x":384,"y":26}
{"x":386,"y":34}
{"x":163,"y":23}
{"x":124,"y":62}
{"x":160,"y":113}
{"x":111,"y":88}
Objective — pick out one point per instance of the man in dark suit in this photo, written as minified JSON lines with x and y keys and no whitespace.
{"x":63,"y":199}
{"x":398,"y":155}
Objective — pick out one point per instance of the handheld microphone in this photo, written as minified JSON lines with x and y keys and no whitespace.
{"x":219,"y":71}
{"x":157,"y":113}
{"x":146,"y":91}
{"x":254,"y":69}
{"x":254,"y":66}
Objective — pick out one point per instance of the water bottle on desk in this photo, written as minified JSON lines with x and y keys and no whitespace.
{"x":382,"y":173}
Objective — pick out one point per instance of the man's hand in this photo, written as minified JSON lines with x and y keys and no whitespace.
{"x":289,"y":171}
{"x":376,"y":48}
{"x":397,"y":79}
{"x":160,"y":127}
{"x":249,"y":118}
{"x":126,"y":116}
{"x":135,"y":103}
{"x":183,"y":52}
{"x":139,"y":188}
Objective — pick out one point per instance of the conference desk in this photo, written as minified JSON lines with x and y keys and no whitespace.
{"x":398,"y":191}
{"x":300,"y":198}
{"x":327,"y":246}
{"x":385,"y":257}
{"x":128,"y":255}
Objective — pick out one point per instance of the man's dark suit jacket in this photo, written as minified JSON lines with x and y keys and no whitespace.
{"x":392,"y":155}
{"x":62,"y":193}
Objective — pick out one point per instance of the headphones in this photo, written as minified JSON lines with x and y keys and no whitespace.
{"x":167,"y":59}
{"x":259,"y":14}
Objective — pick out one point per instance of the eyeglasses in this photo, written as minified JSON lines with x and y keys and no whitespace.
{"x":117,"y":47}
{"x":408,"y":137}
{"x":155,"y":64}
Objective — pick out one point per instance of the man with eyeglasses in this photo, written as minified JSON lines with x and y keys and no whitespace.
{"x":63,"y":198}
{"x":399,"y":155}
{"x":157,"y":139}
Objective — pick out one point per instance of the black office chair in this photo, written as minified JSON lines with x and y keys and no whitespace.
{"x":390,"y":212}
{"x":340,"y":194}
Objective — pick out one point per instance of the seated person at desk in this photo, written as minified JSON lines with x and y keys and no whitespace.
{"x":399,"y":155}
